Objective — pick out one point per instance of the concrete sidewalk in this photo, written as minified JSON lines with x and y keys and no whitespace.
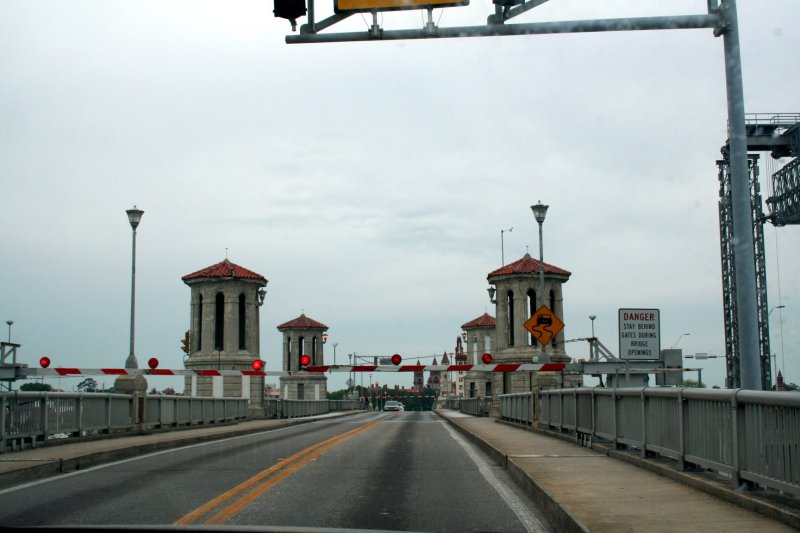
{"x":55,"y":458}
{"x":585,"y":489}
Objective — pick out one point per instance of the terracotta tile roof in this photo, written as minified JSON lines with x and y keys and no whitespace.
{"x":224,"y":269}
{"x":527,"y":265}
{"x":484,"y":321}
{"x":302,"y":322}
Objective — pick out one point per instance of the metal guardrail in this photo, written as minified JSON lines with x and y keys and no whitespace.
{"x":476,"y":406}
{"x":36,"y":417}
{"x":517,"y":408}
{"x":278,"y":408}
{"x":742,"y":434}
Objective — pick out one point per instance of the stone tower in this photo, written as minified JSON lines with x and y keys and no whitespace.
{"x":303,"y":336}
{"x":224,"y":332}
{"x":480,"y":340}
{"x":516,"y":298}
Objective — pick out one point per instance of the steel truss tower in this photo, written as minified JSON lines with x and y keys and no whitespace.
{"x":727,"y":254}
{"x":778,"y":134}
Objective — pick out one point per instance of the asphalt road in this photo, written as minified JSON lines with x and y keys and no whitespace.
{"x":404,"y":471}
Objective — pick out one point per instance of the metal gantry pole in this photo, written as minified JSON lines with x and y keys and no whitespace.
{"x":744,"y":256}
{"x":543,"y":358}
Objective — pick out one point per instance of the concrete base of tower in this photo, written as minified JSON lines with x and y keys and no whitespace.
{"x":304,"y":387}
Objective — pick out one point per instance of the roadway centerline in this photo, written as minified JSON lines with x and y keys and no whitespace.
{"x":260,"y":483}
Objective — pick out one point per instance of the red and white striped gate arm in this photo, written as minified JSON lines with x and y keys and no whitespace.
{"x":498,"y":367}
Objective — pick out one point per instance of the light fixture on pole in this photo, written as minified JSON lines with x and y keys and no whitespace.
{"x":9,"y":322}
{"x":335,"y":344}
{"x":679,"y":339}
{"x":464,"y":336}
{"x":592,"y":317}
{"x":539,"y":213}
{"x":262,"y":294}
{"x":780,"y":317}
{"x":502,"y":251}
{"x":134,"y":217}
{"x":492,"y":291}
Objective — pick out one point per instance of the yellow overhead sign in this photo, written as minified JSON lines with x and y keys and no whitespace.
{"x":342,"y":6}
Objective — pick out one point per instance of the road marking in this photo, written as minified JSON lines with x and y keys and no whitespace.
{"x":264,"y":481}
{"x":529,"y":521}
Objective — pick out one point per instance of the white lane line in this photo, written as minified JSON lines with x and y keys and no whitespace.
{"x":531,"y":523}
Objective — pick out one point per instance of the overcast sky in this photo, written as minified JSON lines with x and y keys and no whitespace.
{"x":369,"y":182}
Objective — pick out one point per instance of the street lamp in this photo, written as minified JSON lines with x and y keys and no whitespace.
{"x":492,"y":291}
{"x":592,"y":317}
{"x":502,"y":252}
{"x":539,"y":212}
{"x":679,"y":339}
{"x":335,"y":344}
{"x":134,"y":217}
{"x":9,"y":322}
{"x":780,"y":317}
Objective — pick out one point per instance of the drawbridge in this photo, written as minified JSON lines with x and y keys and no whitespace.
{"x":778,"y":134}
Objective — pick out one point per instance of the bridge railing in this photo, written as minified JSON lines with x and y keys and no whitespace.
{"x":517,"y":408}
{"x":476,"y":406}
{"x":744,"y":435}
{"x":278,"y":408}
{"x":37,"y":417}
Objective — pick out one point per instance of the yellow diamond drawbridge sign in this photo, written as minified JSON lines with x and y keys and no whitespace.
{"x":544,"y":325}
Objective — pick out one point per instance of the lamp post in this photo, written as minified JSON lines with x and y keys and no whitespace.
{"x":134,"y":217}
{"x":780,"y":317}
{"x":502,"y":252}
{"x":679,"y":339}
{"x":539,"y":213}
{"x":335,"y":344}
{"x":9,"y":322}
{"x":592,"y":317}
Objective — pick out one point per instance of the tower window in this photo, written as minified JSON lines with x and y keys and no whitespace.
{"x":199,"y":326}
{"x":219,"y":321}
{"x":510,"y":310}
{"x":241,"y":322}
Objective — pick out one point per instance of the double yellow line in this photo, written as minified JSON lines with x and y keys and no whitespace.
{"x":228,"y":504}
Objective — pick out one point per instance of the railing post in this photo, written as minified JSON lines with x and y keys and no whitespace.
{"x":681,"y":431}
{"x":79,"y":415}
{"x":616,"y":414}
{"x":594,"y":414}
{"x":44,"y":420}
{"x":108,"y":413}
{"x":3,"y":422}
{"x":644,"y":422}
{"x":735,"y":448}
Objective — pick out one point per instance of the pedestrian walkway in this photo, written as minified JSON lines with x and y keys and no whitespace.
{"x":583,"y":489}
{"x":56,"y":458}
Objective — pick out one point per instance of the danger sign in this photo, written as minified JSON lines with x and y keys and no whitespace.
{"x":639,"y":334}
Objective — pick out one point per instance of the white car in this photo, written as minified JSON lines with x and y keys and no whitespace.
{"x":393,"y":405}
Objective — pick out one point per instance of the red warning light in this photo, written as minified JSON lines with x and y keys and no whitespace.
{"x":44,"y":362}
{"x":152,"y":363}
{"x":396,"y":359}
{"x":305,"y":360}
{"x":487,"y":358}
{"x":257,"y":364}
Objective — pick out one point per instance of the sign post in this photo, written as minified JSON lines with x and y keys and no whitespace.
{"x":639,"y":334}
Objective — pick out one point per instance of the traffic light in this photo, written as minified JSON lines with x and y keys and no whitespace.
{"x":257,"y":364}
{"x":186,"y":342}
{"x":152,"y":363}
{"x":304,"y":361}
{"x":44,"y":362}
{"x":396,"y":359}
{"x":290,"y":10}
{"x":487,"y":358}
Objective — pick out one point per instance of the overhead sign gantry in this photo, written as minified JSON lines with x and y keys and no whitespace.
{"x":720,"y":15}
